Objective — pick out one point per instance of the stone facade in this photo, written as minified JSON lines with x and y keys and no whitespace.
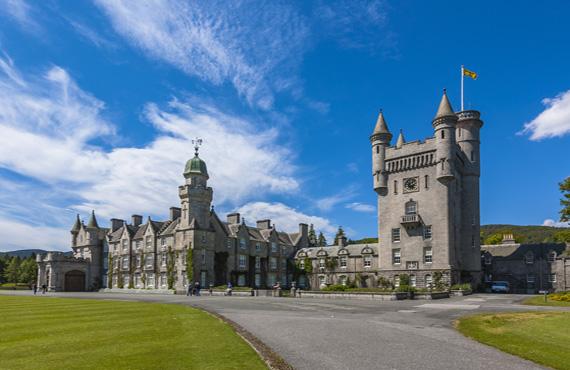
{"x":85,"y":268}
{"x":428,"y":203}
{"x":155,"y":254}
{"x":529,"y":268}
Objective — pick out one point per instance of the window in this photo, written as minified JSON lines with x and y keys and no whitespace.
{"x":343,"y":262}
{"x":411,"y":208}
{"x":395,"y":187}
{"x":321,"y":264}
{"x":163,"y":279}
{"x":488,"y":259}
{"x":413,"y":280}
{"x":530,"y":278}
{"x":163,"y":258}
{"x":257,"y":280}
{"x":138,"y":261}
{"x":443,"y":134}
{"x":428,"y":255}
{"x":426,"y":181}
{"x":203,"y":238}
{"x":283,"y":264}
{"x":149,"y":261}
{"x":138,"y":245}
{"x":273,"y":263}
{"x":125,"y":244}
{"x":203,"y":256}
{"x":529,"y":258}
{"x":163,"y":241}
{"x":273,"y":247}
{"x":203,"y":278}
{"x":126,"y":281}
{"x":429,"y":281}
{"x":322,"y":280}
{"x":257,"y":263}
{"x":241,"y":280}
{"x":377,"y":149}
{"x":242,"y":243}
{"x":125,"y":263}
{"x":427,"y":232}
{"x":367,"y":261}
{"x":150,"y":280}
{"x":551,"y":256}
{"x":242,"y":261}
{"x":271,"y":279}
{"x":412,"y":265}
{"x":302,"y":264}
{"x":552,"y":278}
{"x":396,"y":281}
{"x":396,"y":256}
{"x":396,"y":235}
{"x":149,"y":241}
{"x":229,"y":242}
{"x":342,"y":280}
{"x":257,"y":247}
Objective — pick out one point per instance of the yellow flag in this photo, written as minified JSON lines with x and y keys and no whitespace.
{"x":469,"y":73}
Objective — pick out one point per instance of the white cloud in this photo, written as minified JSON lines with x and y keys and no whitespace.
{"x":49,"y":126}
{"x":554,"y":121}
{"x":552,"y":223}
{"x":90,"y":35}
{"x":18,"y":235}
{"x":21,"y":12}
{"x":327,"y":203}
{"x":361,"y":207}
{"x":284,"y":217}
{"x":240,"y":42}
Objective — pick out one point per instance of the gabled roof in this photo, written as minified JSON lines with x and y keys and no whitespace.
{"x":116,"y":235}
{"x":170,"y":227}
{"x":141,"y":231}
{"x":518,"y":251}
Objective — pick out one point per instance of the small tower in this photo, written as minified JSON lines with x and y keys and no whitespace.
{"x":444,"y":127}
{"x":92,"y":224}
{"x":468,"y":128}
{"x":380,"y":140}
{"x":75,"y":230}
{"x":195,"y":195}
{"x":401,"y":141}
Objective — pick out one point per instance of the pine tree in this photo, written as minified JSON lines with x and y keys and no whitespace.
{"x":339,"y":233}
{"x":11,"y":273}
{"x":565,"y":201}
{"x":27,"y":271}
{"x":322,"y":241}
{"x":312,"y":237}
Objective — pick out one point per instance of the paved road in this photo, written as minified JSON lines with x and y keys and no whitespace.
{"x":340,"y":334}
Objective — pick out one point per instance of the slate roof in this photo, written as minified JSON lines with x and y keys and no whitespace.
{"x":518,"y":251}
{"x":332,"y":250}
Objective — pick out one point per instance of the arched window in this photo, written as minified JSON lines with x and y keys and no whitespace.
{"x":411,"y":207}
{"x":413,"y":280}
{"x":396,"y":281}
{"x":429,"y":281}
{"x":342,"y":279}
{"x":551,"y":256}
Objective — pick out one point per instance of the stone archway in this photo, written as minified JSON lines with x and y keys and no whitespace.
{"x":74,"y":281}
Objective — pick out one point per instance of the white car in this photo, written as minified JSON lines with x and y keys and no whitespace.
{"x":500,"y":287}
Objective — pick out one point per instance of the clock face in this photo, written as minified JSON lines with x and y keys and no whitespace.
{"x":411,"y":184}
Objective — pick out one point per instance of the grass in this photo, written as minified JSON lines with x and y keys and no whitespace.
{"x":61,"y":333}
{"x":14,"y":286}
{"x":542,"y":337}
{"x":539,"y":301}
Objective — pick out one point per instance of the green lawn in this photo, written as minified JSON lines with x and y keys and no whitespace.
{"x":14,"y":286}
{"x":539,"y":301}
{"x":60,"y":333}
{"x":542,"y":337}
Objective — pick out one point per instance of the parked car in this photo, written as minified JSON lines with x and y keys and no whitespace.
{"x":500,"y":287}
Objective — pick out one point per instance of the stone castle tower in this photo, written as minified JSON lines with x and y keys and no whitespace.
{"x":428,"y":198}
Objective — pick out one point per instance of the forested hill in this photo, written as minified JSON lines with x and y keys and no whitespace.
{"x":23,"y":253}
{"x":493,"y":234}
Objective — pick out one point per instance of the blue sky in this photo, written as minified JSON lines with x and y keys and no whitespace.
{"x":99,"y":103}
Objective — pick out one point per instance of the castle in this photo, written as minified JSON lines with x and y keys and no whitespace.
{"x":428,"y":209}
{"x":428,"y":229}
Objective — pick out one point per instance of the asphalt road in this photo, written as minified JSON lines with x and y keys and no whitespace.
{"x":351,"y":334}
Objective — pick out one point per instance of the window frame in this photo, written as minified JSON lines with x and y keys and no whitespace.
{"x":396,"y":235}
{"x":396,"y":256}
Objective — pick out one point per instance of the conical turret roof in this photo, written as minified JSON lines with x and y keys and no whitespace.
{"x":401,"y":141}
{"x":381,"y":126}
{"x":76,"y":225}
{"x":444,"y":109}
{"x":92,"y":221}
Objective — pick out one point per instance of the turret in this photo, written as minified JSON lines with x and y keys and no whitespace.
{"x":467,"y":136}
{"x":92,"y":224}
{"x":380,"y":140}
{"x":195,"y":195}
{"x":444,"y":126}
{"x":401,"y":141}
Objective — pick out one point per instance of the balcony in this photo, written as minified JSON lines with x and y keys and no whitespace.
{"x":411,"y":220}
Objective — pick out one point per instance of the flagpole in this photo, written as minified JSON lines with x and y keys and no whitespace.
{"x":462,"y":73}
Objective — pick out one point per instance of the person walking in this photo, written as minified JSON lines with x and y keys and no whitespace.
{"x":189,"y":290}
{"x":44,"y":289}
{"x":34,"y":288}
{"x":197,"y":288}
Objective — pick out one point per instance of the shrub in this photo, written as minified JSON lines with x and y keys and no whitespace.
{"x":334,"y":288}
{"x":561,"y":296}
{"x":385,"y":283}
{"x":463,"y":287}
{"x":406,"y":288}
{"x":404,"y":279}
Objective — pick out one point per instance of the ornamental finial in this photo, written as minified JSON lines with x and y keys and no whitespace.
{"x":197,"y":142}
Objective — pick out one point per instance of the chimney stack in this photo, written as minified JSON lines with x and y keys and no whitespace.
{"x":174,"y":213}
{"x":136,"y":220}
{"x":264,"y":224}
{"x":304,"y":230}
{"x":116,"y":224}
{"x":233,"y":218}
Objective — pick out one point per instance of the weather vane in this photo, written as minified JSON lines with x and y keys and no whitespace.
{"x":197,"y":142}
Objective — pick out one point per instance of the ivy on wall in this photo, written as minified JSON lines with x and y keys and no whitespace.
{"x":110,"y":272}
{"x":170,"y":268}
{"x":189,"y":264}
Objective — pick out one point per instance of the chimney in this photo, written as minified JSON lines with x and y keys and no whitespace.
{"x":116,"y":224}
{"x":304,"y":230}
{"x":233,"y":218}
{"x":264,"y":224}
{"x":136,"y":220}
{"x":508,"y":239}
{"x":174,"y":213}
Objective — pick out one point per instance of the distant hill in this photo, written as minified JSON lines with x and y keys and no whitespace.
{"x":492,"y":234}
{"x":25,"y":253}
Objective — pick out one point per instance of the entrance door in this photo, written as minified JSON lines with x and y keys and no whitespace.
{"x":74,"y":281}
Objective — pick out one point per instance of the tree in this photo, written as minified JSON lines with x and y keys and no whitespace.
{"x":28,"y":271}
{"x":3,"y":262}
{"x":497,"y":238}
{"x":189,"y":265}
{"x":565,"y":201}
{"x":11,"y":273}
{"x":562,"y":236}
{"x":312,"y":237}
{"x":322,"y":241}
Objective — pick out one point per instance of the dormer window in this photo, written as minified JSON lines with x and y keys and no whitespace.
{"x":551,"y":256}
{"x":242,"y":243}
{"x":488,"y":259}
{"x":529,"y":258}
{"x":343,"y":261}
